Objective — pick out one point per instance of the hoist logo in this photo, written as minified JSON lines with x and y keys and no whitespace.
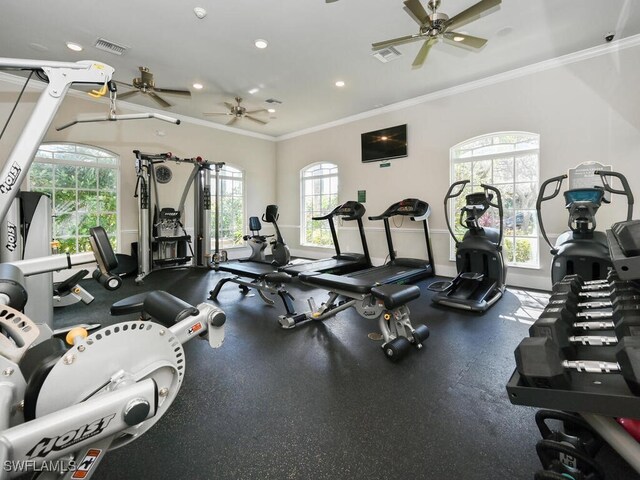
{"x":12,"y":236}
{"x":10,"y":180}
{"x":47,"y":445}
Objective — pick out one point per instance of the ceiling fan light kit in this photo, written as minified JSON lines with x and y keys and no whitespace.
{"x":437,"y":26}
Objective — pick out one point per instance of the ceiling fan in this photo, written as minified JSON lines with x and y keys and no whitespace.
{"x":145,"y":84}
{"x":436,"y":25}
{"x":238,"y":112}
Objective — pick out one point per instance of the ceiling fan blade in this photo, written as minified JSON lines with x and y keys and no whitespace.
{"x":161,"y":101}
{"x":124,"y":83}
{"x":172,"y":91}
{"x":127,"y":94}
{"x":396,"y":41}
{"x":229,"y":105}
{"x":466,"y":40}
{"x":254,"y":119}
{"x":417,"y":12}
{"x":424,"y":51}
{"x":471,"y":13}
{"x":233,"y":120}
{"x":217,"y":113}
{"x":256,"y":111}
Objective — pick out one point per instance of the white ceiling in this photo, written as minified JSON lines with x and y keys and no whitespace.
{"x":312,"y":44}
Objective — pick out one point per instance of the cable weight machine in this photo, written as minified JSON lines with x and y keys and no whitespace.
{"x":162,"y":239}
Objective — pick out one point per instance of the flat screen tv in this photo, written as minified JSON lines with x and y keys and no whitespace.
{"x":384,"y":144}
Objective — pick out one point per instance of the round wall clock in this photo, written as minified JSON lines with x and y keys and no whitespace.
{"x":163,"y":174}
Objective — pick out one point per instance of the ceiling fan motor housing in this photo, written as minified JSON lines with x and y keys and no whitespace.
{"x":438,"y":23}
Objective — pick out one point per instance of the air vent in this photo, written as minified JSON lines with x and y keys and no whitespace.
{"x":385,"y":55}
{"x":111,"y":47}
{"x":273,"y":100}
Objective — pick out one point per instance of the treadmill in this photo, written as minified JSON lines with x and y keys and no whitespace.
{"x":340,"y":263}
{"x":401,"y":270}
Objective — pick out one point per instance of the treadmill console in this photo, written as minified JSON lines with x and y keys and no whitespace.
{"x":350,"y":210}
{"x":410,"y":207}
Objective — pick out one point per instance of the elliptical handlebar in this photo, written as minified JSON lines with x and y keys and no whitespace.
{"x":497,"y":205}
{"x":626,"y":190}
{"x":542,"y":198}
{"x":461,"y":184}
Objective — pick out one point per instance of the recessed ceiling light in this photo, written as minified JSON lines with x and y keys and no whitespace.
{"x":271,"y":110}
{"x":253,"y":91}
{"x":261,"y":43}
{"x":458,"y":38}
{"x":198,"y":86}
{"x":339,"y":83}
{"x":74,"y":46}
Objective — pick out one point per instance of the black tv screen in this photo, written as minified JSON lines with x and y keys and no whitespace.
{"x":384,"y":144}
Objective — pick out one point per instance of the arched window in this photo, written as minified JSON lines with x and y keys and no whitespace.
{"x":82,"y":182}
{"x":509,"y":162}
{"x":232,"y":224}
{"x":319,"y":191}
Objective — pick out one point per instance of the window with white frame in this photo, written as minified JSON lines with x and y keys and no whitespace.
{"x":82,"y":182}
{"x":231,"y":207}
{"x":319,"y":191}
{"x":509,"y":162}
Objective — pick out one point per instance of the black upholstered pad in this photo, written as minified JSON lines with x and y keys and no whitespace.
{"x":278,"y":277}
{"x":247,"y":269}
{"x":330,"y":281}
{"x":132,"y":304}
{"x":395,"y":295}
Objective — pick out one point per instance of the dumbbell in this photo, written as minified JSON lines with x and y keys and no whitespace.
{"x":624,"y":319}
{"x":577,"y":284}
{"x":558,"y":324}
{"x":613,"y":287}
{"x":542,"y":364}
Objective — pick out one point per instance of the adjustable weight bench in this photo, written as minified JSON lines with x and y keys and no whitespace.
{"x":262,"y":277}
{"x":386,"y":303}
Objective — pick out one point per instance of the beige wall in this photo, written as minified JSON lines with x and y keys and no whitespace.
{"x":255,"y":156}
{"x":584,"y":111}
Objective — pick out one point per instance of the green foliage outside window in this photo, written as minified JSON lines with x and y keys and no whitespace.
{"x":82,"y":182}
{"x":231,"y":207}
{"x":509,"y":162}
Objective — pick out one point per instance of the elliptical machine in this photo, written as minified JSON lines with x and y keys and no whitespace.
{"x":582,"y":250}
{"x":280,"y":253}
{"x":482,"y":271}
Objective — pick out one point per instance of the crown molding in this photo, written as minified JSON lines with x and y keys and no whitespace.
{"x":483,"y":82}
{"x":561,"y":61}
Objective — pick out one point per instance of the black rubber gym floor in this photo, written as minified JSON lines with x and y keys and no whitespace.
{"x":321,"y":401}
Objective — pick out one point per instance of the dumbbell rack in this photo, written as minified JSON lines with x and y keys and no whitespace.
{"x":597,"y":397}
